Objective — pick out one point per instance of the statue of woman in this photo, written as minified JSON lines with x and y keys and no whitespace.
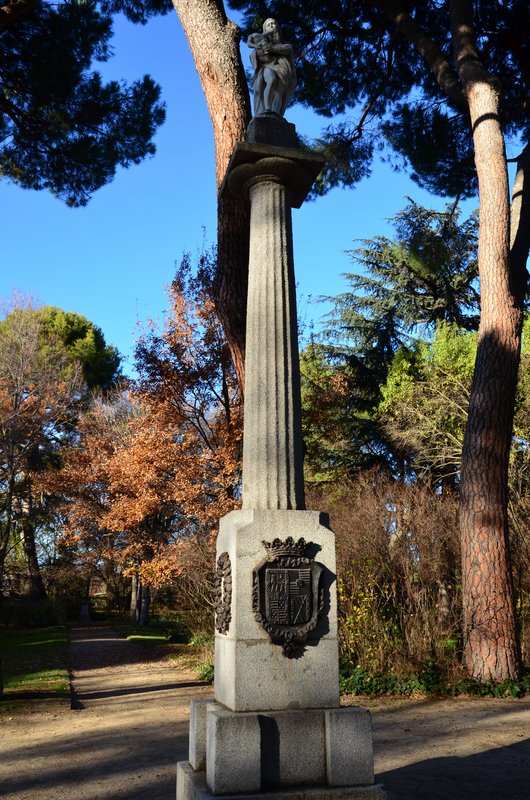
{"x":275,"y":74}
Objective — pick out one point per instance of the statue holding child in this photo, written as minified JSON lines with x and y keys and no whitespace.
{"x":275,"y":73}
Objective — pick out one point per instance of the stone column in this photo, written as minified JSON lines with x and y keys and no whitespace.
{"x":275,"y":724}
{"x":272,"y":446}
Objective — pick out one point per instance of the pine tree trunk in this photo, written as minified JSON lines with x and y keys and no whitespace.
{"x":214,"y":43}
{"x":491,"y":645}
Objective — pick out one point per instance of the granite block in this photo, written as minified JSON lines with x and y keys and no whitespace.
{"x":349,"y":749}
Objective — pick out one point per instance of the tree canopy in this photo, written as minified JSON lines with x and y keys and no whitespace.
{"x":62,"y":127}
{"x":404,"y":286}
{"x":383,"y":70}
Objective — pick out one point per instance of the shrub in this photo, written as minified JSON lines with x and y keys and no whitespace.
{"x":31,"y":614}
{"x":205,"y":671}
{"x":398,"y":577}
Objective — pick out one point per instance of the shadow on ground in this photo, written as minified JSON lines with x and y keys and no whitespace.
{"x":497,"y":774}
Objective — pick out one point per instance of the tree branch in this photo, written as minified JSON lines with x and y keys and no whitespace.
{"x":426,"y":47}
{"x":520,"y":224}
{"x":14,"y":9}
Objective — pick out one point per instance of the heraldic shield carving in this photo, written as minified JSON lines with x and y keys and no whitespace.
{"x":287,"y":597}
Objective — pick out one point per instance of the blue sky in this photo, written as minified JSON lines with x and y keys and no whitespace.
{"x":111,"y":260}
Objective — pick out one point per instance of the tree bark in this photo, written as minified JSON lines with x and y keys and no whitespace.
{"x":491,"y":644}
{"x":520,"y":224}
{"x":35,"y":589}
{"x":135,"y":596}
{"x":145,"y":605}
{"x":214,"y":43}
{"x":34,"y":586}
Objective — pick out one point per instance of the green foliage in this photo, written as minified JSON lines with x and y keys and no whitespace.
{"x":424,"y":400}
{"x":359,"y":682}
{"x":175,"y":624}
{"x":333,"y":422}
{"x":82,"y":341}
{"x":448,"y":167}
{"x":61,"y":127}
{"x":367,"y":631}
{"x":431,"y":681}
{"x":205,"y":671}
{"x":64,"y":340}
{"x":202,"y":640}
{"x":425,"y":275}
{"x":507,"y":688}
{"x":408,"y":286}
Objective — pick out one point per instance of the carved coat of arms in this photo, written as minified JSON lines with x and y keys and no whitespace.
{"x":287,"y":594}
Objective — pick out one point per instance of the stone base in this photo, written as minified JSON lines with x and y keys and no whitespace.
{"x":251,"y":673}
{"x":288,"y":752}
{"x":192,"y":786}
{"x":272,"y":129}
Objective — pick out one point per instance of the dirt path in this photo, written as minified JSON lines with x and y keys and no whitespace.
{"x":460,"y":749}
{"x":130,"y":727}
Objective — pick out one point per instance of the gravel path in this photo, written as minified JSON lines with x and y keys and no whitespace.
{"x":129,"y":727}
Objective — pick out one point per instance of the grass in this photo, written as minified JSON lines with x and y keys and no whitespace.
{"x":34,"y":661}
{"x":147,"y":635}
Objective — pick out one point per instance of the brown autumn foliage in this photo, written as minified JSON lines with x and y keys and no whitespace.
{"x":156,"y":467}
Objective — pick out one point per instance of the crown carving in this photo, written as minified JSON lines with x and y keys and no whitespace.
{"x":289,"y":547}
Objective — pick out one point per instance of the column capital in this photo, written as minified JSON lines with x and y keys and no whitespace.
{"x":253,"y":163}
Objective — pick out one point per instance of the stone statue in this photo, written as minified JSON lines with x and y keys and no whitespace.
{"x":275,"y":74}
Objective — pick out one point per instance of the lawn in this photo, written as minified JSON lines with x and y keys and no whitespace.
{"x":147,"y":634}
{"x":34,"y":661}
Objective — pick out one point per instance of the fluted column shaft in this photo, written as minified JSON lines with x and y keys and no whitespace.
{"x":272,"y":440}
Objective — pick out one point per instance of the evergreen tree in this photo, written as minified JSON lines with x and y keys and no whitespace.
{"x":425,"y":275}
{"x":383,"y":70}
{"x":61,"y":127}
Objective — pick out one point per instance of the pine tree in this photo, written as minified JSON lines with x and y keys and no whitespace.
{"x":61,"y":127}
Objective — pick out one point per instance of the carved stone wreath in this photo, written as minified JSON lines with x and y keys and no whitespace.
{"x":287,"y":595}
{"x":223,"y":593}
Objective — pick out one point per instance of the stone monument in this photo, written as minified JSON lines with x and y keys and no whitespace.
{"x":275,"y":724}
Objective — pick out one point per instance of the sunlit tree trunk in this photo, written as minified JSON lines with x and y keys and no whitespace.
{"x":214,"y":43}
{"x":491,"y":646}
{"x":145,"y":605}
{"x":134,"y":608}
